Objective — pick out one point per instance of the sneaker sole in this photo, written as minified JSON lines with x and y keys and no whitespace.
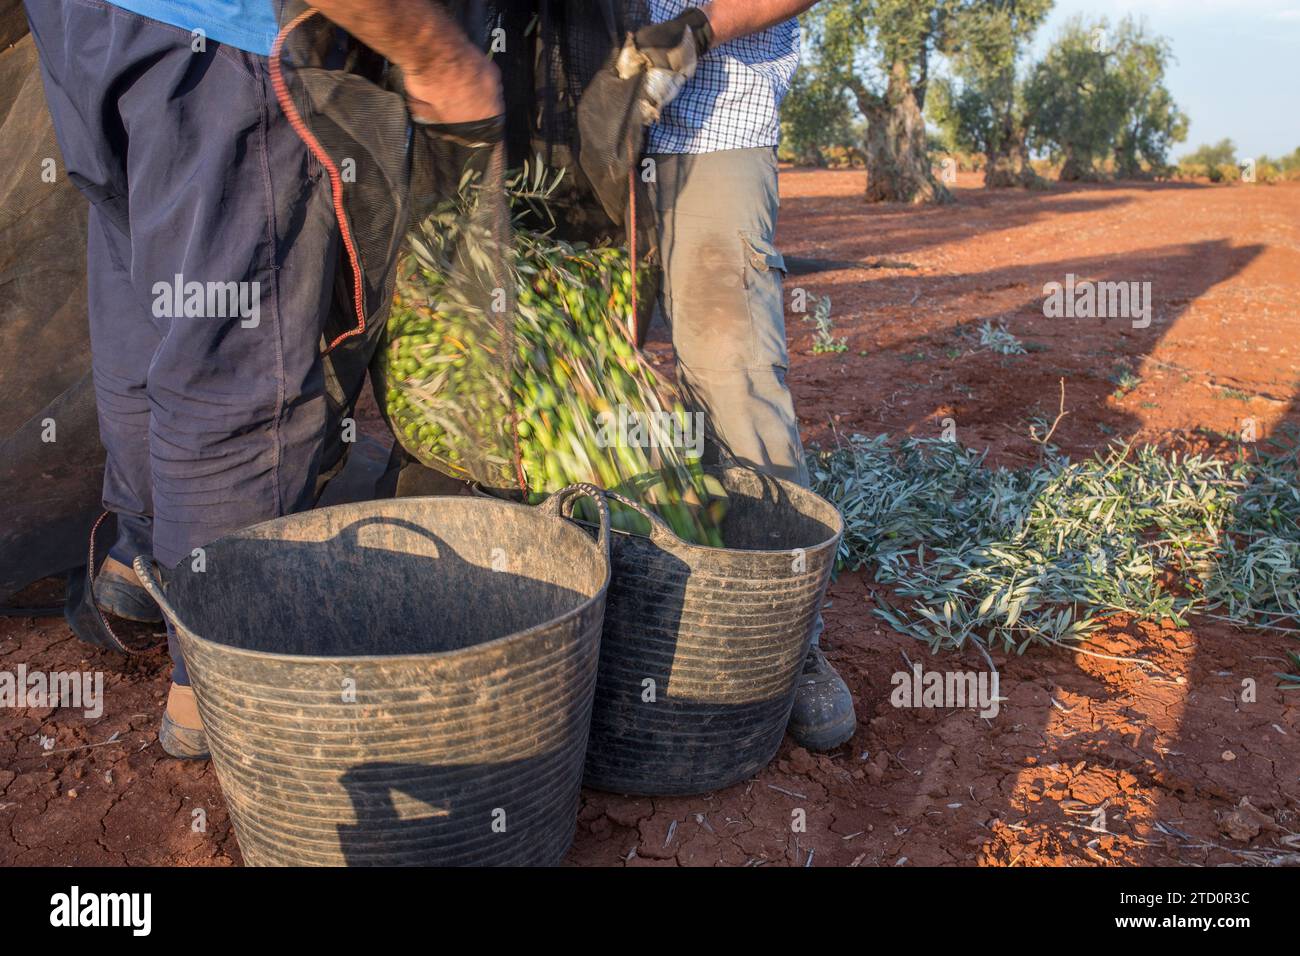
{"x":182,"y":742}
{"x":826,"y":737}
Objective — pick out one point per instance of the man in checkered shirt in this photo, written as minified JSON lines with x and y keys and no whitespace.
{"x":715,"y":193}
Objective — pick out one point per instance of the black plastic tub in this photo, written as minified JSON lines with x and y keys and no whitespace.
{"x":702,"y":646}
{"x":397,"y":682}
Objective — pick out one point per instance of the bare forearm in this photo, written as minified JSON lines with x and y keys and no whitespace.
{"x":730,"y":19}
{"x":447,"y":78}
{"x":418,"y":35}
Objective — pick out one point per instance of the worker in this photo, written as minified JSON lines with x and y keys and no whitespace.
{"x":713,"y":150}
{"x":212,"y":420}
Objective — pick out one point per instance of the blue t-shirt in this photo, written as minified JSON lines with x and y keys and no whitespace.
{"x":247,"y":24}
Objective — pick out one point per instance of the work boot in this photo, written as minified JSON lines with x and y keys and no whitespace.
{"x":823,"y":717}
{"x":118,"y":592}
{"x":181,"y":733}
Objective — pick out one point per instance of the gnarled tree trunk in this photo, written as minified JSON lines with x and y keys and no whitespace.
{"x":1008,"y":164}
{"x":1076,"y":169}
{"x":898,"y":162}
{"x":1128,"y":163}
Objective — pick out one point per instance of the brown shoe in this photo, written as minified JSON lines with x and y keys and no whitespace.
{"x":118,"y":592}
{"x":181,"y":733}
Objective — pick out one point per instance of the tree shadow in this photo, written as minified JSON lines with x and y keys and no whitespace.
{"x":939,"y":373}
{"x":904,"y":374}
{"x":898,"y":229}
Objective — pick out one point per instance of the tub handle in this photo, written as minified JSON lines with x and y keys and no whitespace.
{"x":146,"y":569}
{"x":660,"y":533}
{"x":561,"y":504}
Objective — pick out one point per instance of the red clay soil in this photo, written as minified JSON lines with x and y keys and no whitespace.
{"x":1090,"y":760}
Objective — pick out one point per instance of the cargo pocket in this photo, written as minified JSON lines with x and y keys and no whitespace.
{"x":764,"y":270}
{"x":763,"y":256}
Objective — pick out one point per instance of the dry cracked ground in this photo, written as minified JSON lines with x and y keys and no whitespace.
{"x":1159,"y":746}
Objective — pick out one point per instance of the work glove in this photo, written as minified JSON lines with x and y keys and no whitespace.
{"x":629,"y":94}
{"x":667,"y":54}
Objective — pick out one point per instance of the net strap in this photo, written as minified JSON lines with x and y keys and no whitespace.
{"x":332,"y":170}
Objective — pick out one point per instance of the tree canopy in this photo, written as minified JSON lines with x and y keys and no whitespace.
{"x":1099,"y":94}
{"x":1095,"y":103}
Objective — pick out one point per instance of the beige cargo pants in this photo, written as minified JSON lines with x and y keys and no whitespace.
{"x":723,"y":301}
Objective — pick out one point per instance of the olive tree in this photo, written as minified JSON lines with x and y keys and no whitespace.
{"x":981,"y":106}
{"x":815,"y":119}
{"x":1211,"y":158}
{"x":1099,"y":94}
{"x":877,"y":53}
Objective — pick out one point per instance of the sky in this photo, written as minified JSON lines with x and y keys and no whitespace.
{"x":1237,"y":73}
